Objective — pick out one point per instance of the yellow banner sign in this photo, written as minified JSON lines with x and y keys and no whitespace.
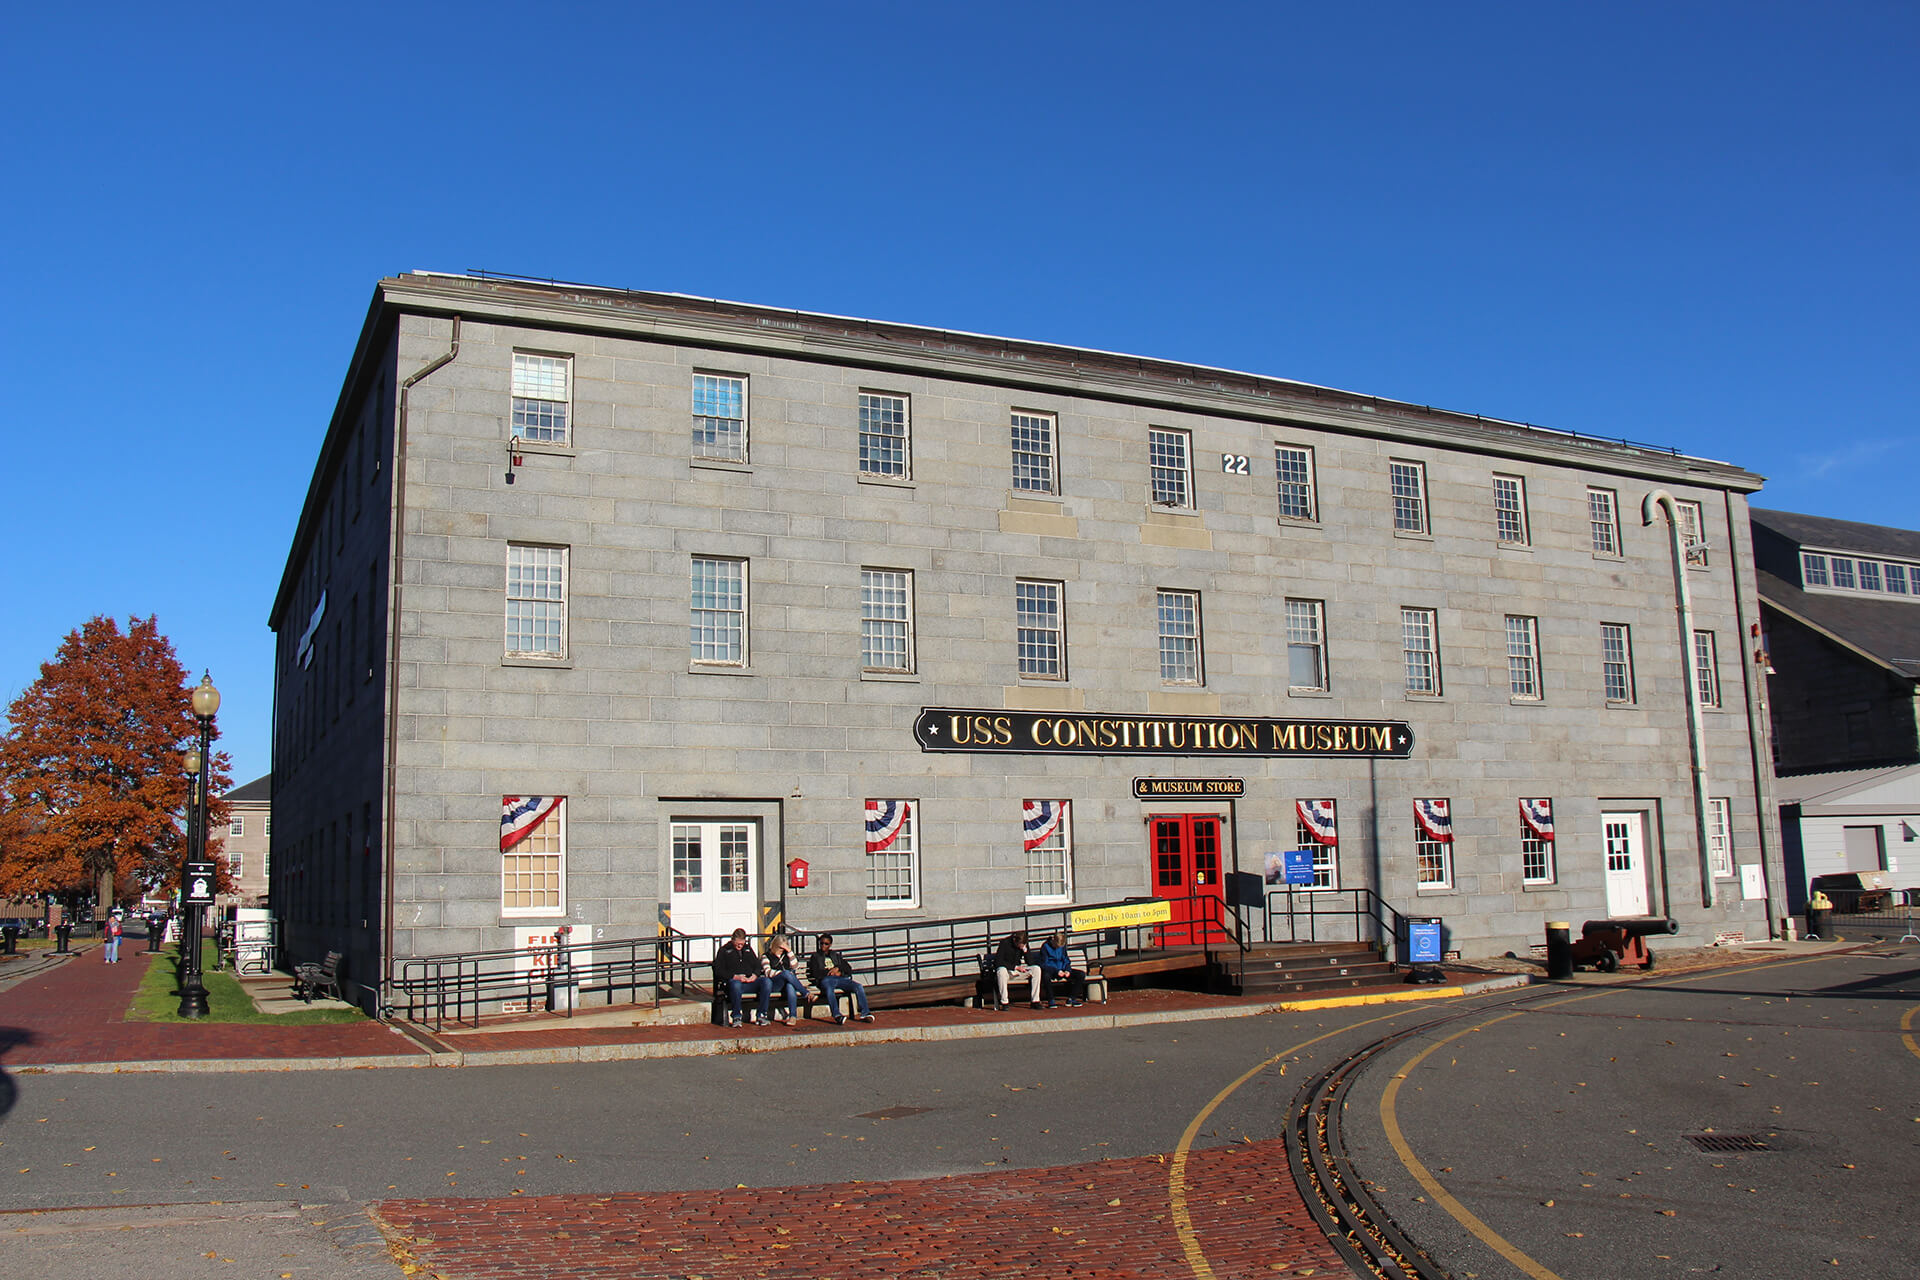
{"x":1121,"y":917}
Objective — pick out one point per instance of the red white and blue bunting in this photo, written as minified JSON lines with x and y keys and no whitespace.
{"x":1317,"y":817}
{"x":519,"y":815}
{"x":1042,"y":820}
{"x":1435,"y":818}
{"x":885,"y":818}
{"x":1538,"y":817}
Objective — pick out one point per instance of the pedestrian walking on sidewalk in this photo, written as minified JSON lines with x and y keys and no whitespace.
{"x":112,"y":948}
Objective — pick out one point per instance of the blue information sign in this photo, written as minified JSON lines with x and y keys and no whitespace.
{"x":1423,"y":942}
{"x":1299,"y":866}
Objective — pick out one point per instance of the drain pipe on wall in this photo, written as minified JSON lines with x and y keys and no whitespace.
{"x":1696,"y":739}
{"x":395,"y":561}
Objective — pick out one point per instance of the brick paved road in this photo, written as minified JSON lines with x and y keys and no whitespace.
{"x":1111,"y":1219}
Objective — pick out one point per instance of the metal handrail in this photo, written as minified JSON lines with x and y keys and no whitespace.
{"x":1314,"y":905}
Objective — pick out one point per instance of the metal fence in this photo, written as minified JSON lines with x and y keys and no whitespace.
{"x":1890,"y":913}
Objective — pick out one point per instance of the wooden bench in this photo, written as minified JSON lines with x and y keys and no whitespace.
{"x":310,"y":979}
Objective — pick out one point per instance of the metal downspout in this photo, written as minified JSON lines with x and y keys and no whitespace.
{"x":395,"y":561}
{"x":1753,"y":679}
{"x":1696,"y":739}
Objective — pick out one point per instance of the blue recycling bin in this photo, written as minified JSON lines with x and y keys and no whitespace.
{"x":1420,"y":941}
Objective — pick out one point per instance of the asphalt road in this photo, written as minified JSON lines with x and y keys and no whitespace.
{"x":1564,"y":1128}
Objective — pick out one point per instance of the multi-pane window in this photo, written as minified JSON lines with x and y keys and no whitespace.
{"x":236,"y":864}
{"x":1616,"y":661}
{"x":884,"y":444}
{"x":1523,"y":656}
{"x":1869,"y":575}
{"x":1693,"y":533}
{"x":1813,"y":569}
{"x":1316,"y":827}
{"x":719,"y":417}
{"x":1047,"y":827}
{"x":1536,"y":842}
{"x":536,"y":601}
{"x":1293,"y":467}
{"x":1306,"y":645}
{"x":1603,"y":517}
{"x":532,"y":857}
{"x":541,"y":396}
{"x":886,"y":620}
{"x":1179,"y":613}
{"x":1897,"y":576}
{"x":1170,"y":462}
{"x":1039,"y":632}
{"x":1842,"y":571}
{"x":1720,"y":837}
{"x":1420,"y":645}
{"x":1706,"y":669}
{"x":1033,"y":453}
{"x":237,"y":826}
{"x":893,"y":853}
{"x":266,"y":825}
{"x":1510,"y":509}
{"x":1409,"y":481}
{"x":1433,"y":844}
{"x":718,"y":633}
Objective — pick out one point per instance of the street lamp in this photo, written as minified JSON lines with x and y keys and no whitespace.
{"x":199,"y":763}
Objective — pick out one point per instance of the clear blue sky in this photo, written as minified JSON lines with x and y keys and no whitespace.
{"x":1687,"y":224}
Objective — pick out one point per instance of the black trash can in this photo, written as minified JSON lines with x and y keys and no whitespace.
{"x":1820,"y":923}
{"x":62,"y":934}
{"x":1559,"y":949}
{"x":9,"y":939}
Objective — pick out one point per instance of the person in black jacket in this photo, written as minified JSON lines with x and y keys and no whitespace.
{"x":1010,"y":962}
{"x":829,"y":971}
{"x":737,"y":969}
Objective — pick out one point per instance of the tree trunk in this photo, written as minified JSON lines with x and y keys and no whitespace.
{"x":104,"y":895}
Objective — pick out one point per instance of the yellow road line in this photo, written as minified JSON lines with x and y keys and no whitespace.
{"x":1906,"y":1027}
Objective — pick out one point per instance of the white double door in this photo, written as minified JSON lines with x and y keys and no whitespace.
{"x":715,"y":878}
{"x":1625,"y":836}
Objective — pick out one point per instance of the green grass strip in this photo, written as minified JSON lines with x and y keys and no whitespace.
{"x":158,"y":997}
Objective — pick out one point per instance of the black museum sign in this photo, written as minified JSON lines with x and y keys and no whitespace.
{"x":1096,"y":734}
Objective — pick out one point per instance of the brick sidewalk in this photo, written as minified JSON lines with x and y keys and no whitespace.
{"x":1111,"y":1219}
{"x":74,"y":1012}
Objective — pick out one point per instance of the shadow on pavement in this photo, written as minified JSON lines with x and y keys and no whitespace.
{"x":10,"y":1038}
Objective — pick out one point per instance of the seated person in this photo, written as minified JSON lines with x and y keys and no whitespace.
{"x":737,"y":969}
{"x":828,"y":970}
{"x":1009,"y":963}
{"x":783,"y":973}
{"x":1057,"y":971}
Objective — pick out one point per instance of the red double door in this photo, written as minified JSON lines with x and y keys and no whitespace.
{"x":1186,"y":872}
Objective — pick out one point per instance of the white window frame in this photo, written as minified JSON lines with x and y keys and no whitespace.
{"x":1616,"y":654}
{"x":1326,"y":857}
{"x":713,"y":441}
{"x":1181,"y":657}
{"x":1420,"y":651}
{"x":237,"y":825}
{"x":1523,"y":657}
{"x":552,"y":828}
{"x":1294,"y":476}
{"x":886,"y":620}
{"x":1720,"y":837}
{"x":717,"y":632}
{"x":1603,"y":519}
{"x":1170,"y":468}
{"x":1035,"y":443}
{"x":902,"y":856}
{"x":1432,"y":861}
{"x":1869,"y":575}
{"x":236,"y":863}
{"x":1904,"y":575}
{"x":1843,"y":577}
{"x":1706,"y":668}
{"x":1693,"y":533}
{"x":542,"y":418}
{"x":536,"y":600}
{"x":1300,"y":614}
{"x":881,"y":438}
{"x":1407,"y":485}
{"x":1510,"y":525}
{"x":1036,"y":632}
{"x":1532,"y":846}
{"x":1813,"y":569}
{"x":1054,"y":854}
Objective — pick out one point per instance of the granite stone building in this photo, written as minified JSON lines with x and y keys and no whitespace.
{"x":609,"y":608}
{"x":247,"y":848}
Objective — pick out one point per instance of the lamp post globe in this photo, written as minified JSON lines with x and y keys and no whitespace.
{"x":199,"y":765}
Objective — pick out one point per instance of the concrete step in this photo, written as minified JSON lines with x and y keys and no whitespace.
{"x":1334,"y":979}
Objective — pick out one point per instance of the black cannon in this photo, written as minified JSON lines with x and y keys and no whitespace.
{"x":1608,"y":944}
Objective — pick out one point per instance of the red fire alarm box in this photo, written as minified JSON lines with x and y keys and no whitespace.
{"x":797,"y":874}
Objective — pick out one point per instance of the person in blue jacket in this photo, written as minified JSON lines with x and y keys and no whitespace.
{"x":1057,"y":971}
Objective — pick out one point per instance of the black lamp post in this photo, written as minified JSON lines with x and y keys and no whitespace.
{"x":193,"y":993}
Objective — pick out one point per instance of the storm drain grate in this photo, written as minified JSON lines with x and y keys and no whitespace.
{"x":1728,"y":1141}
{"x":894,"y":1113}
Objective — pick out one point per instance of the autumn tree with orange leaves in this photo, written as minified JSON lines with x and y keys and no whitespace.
{"x":92,"y":772}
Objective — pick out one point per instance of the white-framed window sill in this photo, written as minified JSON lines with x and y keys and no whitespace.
{"x":1535,"y":886}
{"x":1410,"y":696}
{"x":529,"y":660}
{"x":1516,"y":700}
{"x":721,"y":464}
{"x":716,"y":669}
{"x":1309,"y":693}
{"x":545,"y":448}
{"x":888,"y":482}
{"x":1525,"y":548}
{"x":891,"y":908}
{"x":890,"y":677}
{"x":1614,"y":556}
{"x":532,"y":915}
{"x":1617,"y":704}
{"x":1414,"y":535}
{"x":1298,"y":522}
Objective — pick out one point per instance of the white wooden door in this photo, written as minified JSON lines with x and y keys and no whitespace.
{"x":715,"y":872}
{"x":1626,"y":851}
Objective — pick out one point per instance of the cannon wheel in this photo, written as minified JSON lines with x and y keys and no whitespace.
{"x":1648,"y":962}
{"x":1606,"y":962}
